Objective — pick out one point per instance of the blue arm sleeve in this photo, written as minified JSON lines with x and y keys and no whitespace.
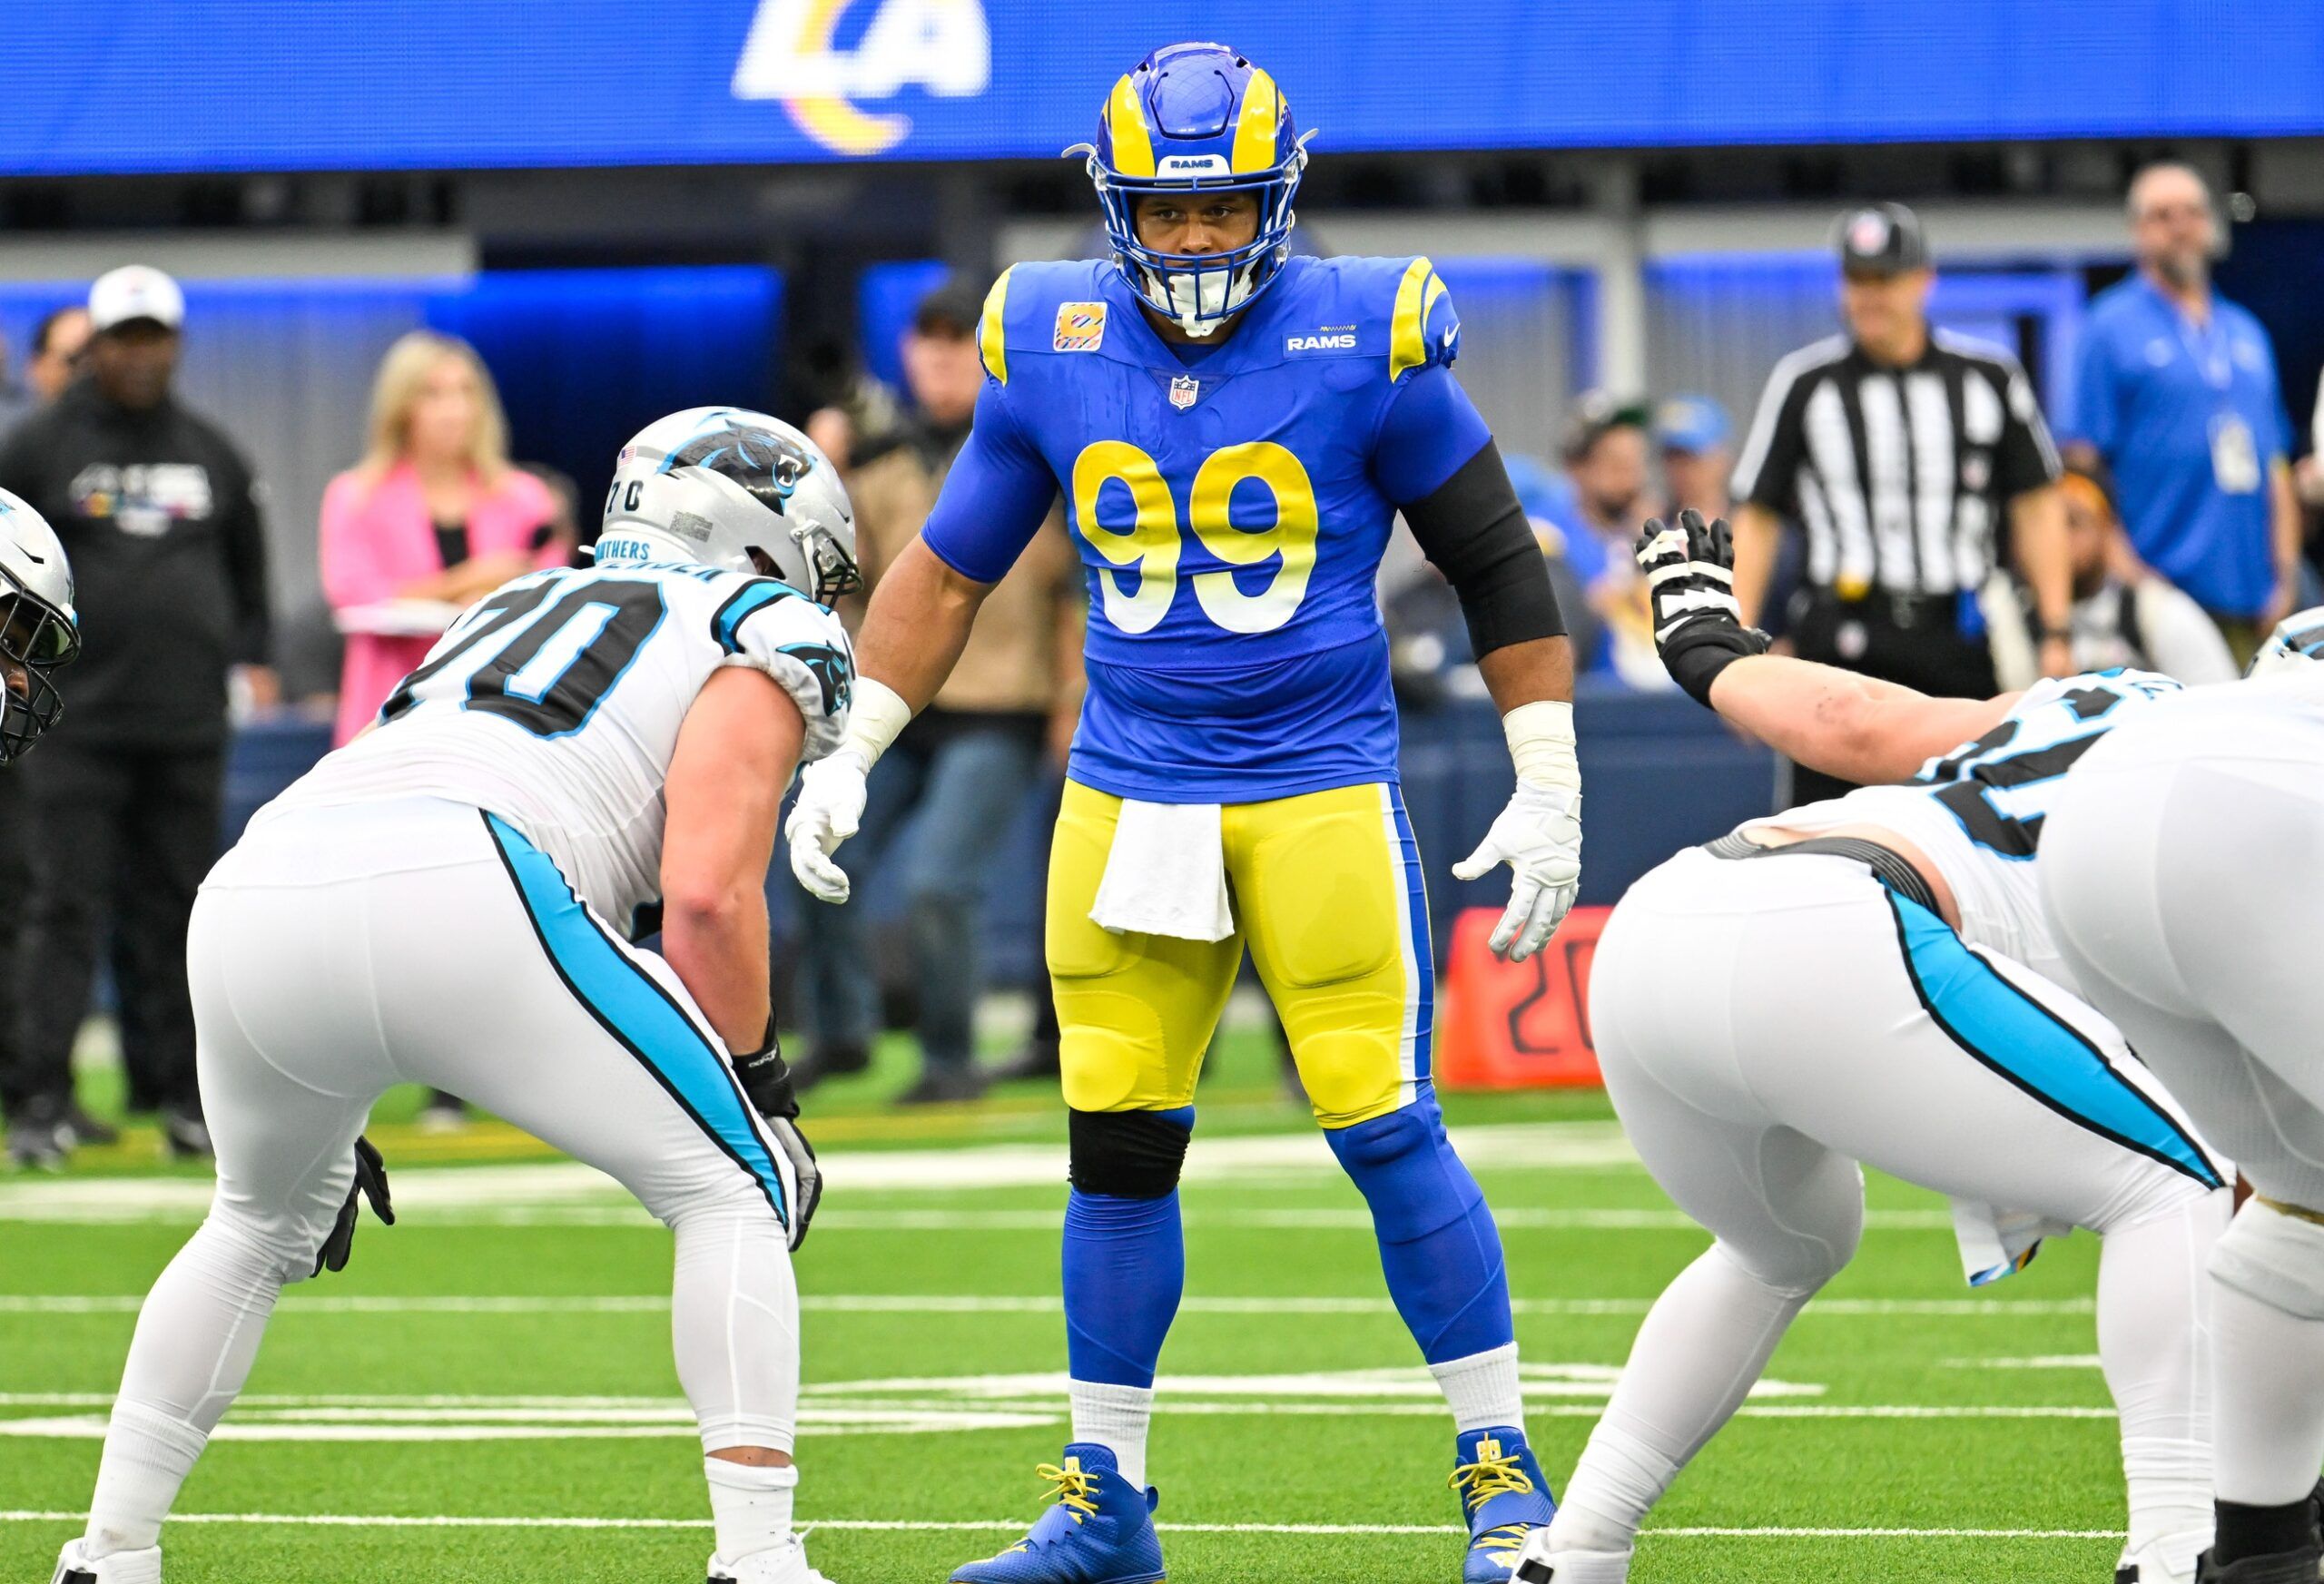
{"x":1429,"y":429}
{"x":995,"y":498}
{"x":2094,"y":416}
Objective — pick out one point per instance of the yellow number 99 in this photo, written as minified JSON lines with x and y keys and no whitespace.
{"x":1150,"y":544}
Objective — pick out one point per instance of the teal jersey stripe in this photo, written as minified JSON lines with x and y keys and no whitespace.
{"x":727,"y":625}
{"x":2029,"y":1045}
{"x":636,"y":1010}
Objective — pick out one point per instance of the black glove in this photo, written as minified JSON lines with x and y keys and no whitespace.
{"x":1699,"y":629}
{"x":370,"y":1183}
{"x":766,"y":1080}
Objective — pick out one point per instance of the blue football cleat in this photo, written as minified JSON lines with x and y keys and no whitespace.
{"x":1504,"y":1497}
{"x":1101,"y":1530}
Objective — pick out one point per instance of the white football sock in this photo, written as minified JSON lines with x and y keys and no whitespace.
{"x":147,"y":1456}
{"x":2270,"y":1407}
{"x":1116,"y":1418}
{"x":1703,"y":1345}
{"x":1482,"y":1389}
{"x":750,"y":1506}
{"x":2154,"y":1341}
{"x":734,"y":1322}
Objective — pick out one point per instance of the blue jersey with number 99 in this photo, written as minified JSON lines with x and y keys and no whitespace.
{"x":1230,"y":502}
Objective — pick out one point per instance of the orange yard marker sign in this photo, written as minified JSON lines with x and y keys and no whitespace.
{"x":1523,"y":1025}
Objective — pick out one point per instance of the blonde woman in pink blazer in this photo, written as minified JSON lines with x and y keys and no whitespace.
{"x":433,"y":513}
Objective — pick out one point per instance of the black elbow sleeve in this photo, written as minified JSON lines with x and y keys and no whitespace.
{"x":1473,"y":530}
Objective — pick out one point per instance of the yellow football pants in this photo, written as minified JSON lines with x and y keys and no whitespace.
{"x":1327,"y":895}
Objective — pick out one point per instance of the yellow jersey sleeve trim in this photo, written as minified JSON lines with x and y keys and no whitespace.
{"x":1255,"y":129}
{"x":1408,"y":327}
{"x":992,"y":341}
{"x":1133,"y":144}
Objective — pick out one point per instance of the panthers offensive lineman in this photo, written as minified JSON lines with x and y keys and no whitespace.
{"x":1235,"y":431}
{"x":39,"y":633}
{"x":2182,"y":867}
{"x":1869,"y":979}
{"x":450,"y":901}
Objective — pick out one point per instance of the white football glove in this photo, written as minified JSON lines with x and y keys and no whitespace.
{"x":1539,"y":836}
{"x":829,"y":810}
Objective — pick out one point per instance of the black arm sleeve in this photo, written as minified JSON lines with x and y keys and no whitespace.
{"x":244,"y":535}
{"x":1472,"y":527}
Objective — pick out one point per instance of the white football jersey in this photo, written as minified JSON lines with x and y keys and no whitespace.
{"x":555,"y":702}
{"x":1977,"y":811}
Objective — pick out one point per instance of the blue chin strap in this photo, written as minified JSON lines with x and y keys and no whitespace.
{"x":1199,"y":292}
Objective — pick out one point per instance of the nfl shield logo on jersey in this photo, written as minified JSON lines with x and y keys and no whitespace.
{"x":1183,"y":391}
{"x":1080,"y":327}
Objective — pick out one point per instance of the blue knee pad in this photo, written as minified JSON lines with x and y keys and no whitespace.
{"x":1439,"y":1247}
{"x":1125,"y":1251}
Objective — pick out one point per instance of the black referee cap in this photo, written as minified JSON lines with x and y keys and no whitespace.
{"x":1880,"y":239}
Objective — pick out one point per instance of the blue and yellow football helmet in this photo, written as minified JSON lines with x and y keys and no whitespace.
{"x":1196,"y":118}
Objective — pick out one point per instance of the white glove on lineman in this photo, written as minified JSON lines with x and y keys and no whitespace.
{"x":829,"y":810}
{"x":1539,"y":834}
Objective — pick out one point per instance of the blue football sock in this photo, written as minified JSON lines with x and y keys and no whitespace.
{"x":1124,"y":1267}
{"x":1438,"y":1244}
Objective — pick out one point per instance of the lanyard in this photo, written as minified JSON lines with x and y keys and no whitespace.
{"x":2211,"y":353}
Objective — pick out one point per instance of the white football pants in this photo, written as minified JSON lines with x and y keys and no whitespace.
{"x":1767,"y":1024}
{"x":2183,"y":871}
{"x":338,"y":952}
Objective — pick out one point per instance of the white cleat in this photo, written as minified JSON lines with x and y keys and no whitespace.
{"x":1540,"y":1564}
{"x":74,"y":1567}
{"x":2151,"y":1564}
{"x":782,"y":1564}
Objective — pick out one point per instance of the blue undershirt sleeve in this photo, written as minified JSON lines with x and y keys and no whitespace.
{"x":1429,"y":429}
{"x":995,"y":498}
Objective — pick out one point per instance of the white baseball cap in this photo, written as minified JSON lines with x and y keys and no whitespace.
{"x":134,"y":292}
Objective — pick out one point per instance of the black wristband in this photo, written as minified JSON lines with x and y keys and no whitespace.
{"x":765,"y":1078}
{"x":1698,"y":651}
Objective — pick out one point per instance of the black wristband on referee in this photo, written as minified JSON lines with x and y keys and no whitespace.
{"x":765,"y":1078}
{"x":1698,"y":651}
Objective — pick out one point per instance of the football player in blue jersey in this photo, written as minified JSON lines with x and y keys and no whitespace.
{"x":1235,"y":431}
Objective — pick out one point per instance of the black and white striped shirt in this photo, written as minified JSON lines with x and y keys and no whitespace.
{"x":1899,"y":474}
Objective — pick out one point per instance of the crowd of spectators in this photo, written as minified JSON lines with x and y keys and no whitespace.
{"x":1899,"y":507}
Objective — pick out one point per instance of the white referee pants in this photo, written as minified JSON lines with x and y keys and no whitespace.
{"x":1765,"y":1025}
{"x":337,"y":951}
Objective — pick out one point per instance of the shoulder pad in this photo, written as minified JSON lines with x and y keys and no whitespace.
{"x":1398,"y":309}
{"x":1044,"y":306}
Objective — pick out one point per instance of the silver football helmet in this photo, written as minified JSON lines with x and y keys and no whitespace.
{"x":38,"y":630}
{"x":2297,"y":641}
{"x":713,"y":484}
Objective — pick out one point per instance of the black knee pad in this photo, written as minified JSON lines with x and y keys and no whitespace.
{"x":1128,"y":1154}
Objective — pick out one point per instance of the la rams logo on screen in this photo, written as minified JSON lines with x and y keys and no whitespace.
{"x":794,"y":54}
{"x":1080,"y":327}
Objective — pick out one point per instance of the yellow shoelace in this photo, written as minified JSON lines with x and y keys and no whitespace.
{"x":1076,"y":1490}
{"x":1492,"y":1474}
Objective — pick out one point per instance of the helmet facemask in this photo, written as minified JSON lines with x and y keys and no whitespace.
{"x":1199,"y":292}
{"x":35,"y":639}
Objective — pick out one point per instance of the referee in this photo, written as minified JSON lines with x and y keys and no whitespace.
{"x":1897,"y":448}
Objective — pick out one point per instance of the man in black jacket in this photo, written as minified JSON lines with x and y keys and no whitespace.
{"x":159,"y":513}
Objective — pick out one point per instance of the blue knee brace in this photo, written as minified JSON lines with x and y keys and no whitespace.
{"x":1439,"y":1247}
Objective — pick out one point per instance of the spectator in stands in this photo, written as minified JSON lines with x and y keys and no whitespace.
{"x":1695,"y":440}
{"x":2177,"y":392}
{"x":967,"y":763}
{"x":2124,"y":614}
{"x":159,"y":511}
{"x":60,"y":349}
{"x":434,"y":513}
{"x":1606,"y":453}
{"x":434,"y":516}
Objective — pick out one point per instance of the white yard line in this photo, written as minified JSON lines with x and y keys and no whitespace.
{"x":404,"y":1520}
{"x":298,"y":1303}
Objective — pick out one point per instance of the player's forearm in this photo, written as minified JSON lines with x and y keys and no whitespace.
{"x":1858,"y":728}
{"x":2285,"y":501}
{"x":2038,"y":527}
{"x":717,"y":942}
{"x":1756,"y":531}
{"x":916,"y":626}
{"x":1528,"y":672}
